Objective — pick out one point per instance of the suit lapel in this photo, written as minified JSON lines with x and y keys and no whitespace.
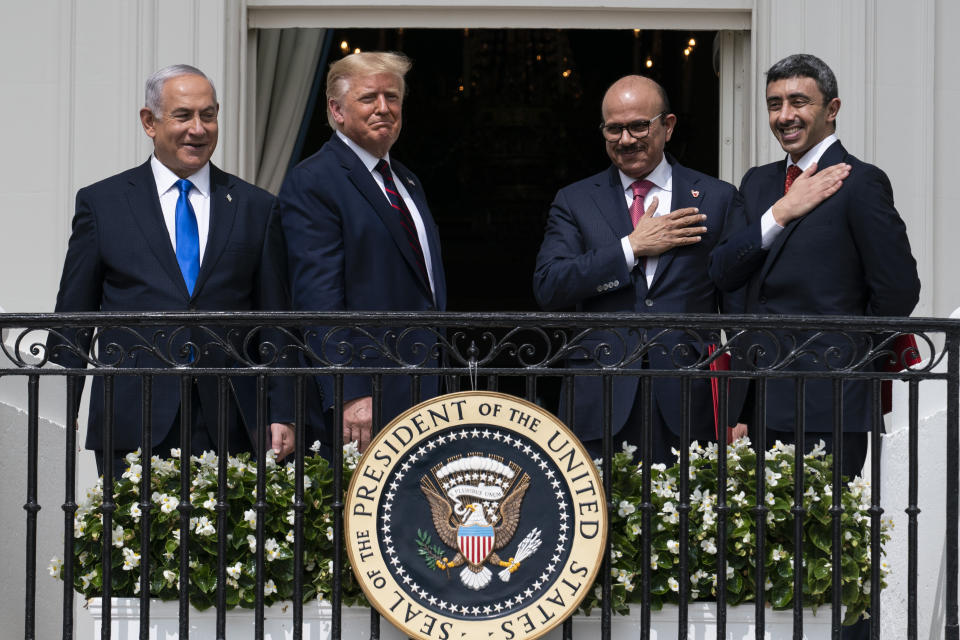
{"x":145,"y":209}
{"x":223,"y":213}
{"x":834,"y":154}
{"x":684,"y":194}
{"x":416,"y":192}
{"x":364,"y":182}
{"x":612,"y":204}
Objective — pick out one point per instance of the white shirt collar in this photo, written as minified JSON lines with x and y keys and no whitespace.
{"x":368,"y":159}
{"x":167,"y":179}
{"x":661,"y":176}
{"x":814,"y":153}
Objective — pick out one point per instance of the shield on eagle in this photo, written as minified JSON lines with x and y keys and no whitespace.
{"x":475,"y":542}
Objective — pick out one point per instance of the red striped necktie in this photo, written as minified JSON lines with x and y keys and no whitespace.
{"x":393,"y":196}
{"x":792,"y":172}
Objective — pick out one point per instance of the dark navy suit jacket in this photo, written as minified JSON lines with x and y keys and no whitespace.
{"x":581,"y":265}
{"x":348,"y":251}
{"x":848,"y":256}
{"x":120,"y":258}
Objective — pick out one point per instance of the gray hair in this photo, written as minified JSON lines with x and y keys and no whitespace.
{"x":153,"y":89}
{"x":364,"y":63}
{"x":804,"y":65}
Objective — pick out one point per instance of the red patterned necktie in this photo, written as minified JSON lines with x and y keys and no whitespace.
{"x":640,"y":190}
{"x":792,"y":172}
{"x":393,"y":196}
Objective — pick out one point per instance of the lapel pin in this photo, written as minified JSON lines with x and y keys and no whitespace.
{"x":411,"y":182}
{"x":229,"y":198}
{"x":694,"y":193}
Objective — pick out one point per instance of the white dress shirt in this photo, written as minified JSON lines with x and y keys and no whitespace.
{"x":199,"y":197}
{"x":662,"y":179}
{"x":769,"y":228}
{"x":370,"y":162}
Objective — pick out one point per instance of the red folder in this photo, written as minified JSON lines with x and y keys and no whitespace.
{"x":721,"y":363}
{"x":905,"y":355}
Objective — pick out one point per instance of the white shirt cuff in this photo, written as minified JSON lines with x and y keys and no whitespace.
{"x":769,"y":229}
{"x":628,"y":253}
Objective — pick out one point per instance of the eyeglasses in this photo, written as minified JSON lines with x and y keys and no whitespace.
{"x":638,"y":128}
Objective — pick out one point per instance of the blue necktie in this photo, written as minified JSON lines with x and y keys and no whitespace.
{"x":188,"y":236}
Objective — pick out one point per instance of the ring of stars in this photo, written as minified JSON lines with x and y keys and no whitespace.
{"x":563,"y":538}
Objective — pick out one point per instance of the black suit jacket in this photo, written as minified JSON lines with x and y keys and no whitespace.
{"x":849,"y":256}
{"x":348,"y":251}
{"x":120,"y":258}
{"x":581,"y":265}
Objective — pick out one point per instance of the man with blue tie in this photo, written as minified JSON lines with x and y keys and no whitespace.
{"x":360,"y":237}
{"x":635,"y":238}
{"x":818,"y":235}
{"x":174,"y":234}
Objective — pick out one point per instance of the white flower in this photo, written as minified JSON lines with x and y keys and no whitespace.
{"x":772,"y":476}
{"x":118,"y":536}
{"x":87,"y":577}
{"x":168,"y":503}
{"x":291,"y":516}
{"x":252,"y":541}
{"x":673,"y":546}
{"x":175,"y":452}
{"x":625,"y":508}
{"x":271,"y":549}
{"x":235,"y":571}
{"x":351,"y":454}
{"x":56,"y":564}
{"x":654,"y":560}
{"x":269,"y":588}
{"x":135,"y":512}
{"x":330,"y":533}
{"x":211,"y":502}
{"x":169,"y":575}
{"x":315,"y":447}
{"x":674,"y":585}
{"x":133,"y":457}
{"x":290,"y":536}
{"x":779,"y":554}
{"x":131,"y":559}
{"x":629,"y":449}
{"x":250,"y":516}
{"x":709,"y":545}
{"x":203,"y":526}
{"x":208,"y":459}
{"x":133,"y":472}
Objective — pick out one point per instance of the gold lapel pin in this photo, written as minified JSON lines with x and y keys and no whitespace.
{"x":229,"y":198}
{"x":694,"y":193}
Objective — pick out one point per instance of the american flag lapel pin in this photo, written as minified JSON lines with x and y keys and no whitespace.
{"x":229,"y":198}
{"x":694,"y":193}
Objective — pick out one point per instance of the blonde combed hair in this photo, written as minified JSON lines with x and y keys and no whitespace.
{"x":364,"y":63}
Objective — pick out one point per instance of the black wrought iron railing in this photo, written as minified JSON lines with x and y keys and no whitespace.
{"x":524,"y":353}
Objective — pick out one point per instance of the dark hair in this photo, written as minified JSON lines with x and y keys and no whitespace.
{"x":804,"y":65}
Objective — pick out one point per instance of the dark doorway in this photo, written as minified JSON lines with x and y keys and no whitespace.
{"x":496,"y":120}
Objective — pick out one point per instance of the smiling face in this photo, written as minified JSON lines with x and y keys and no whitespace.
{"x":185,"y":132}
{"x":633,"y":99}
{"x":369,"y":112}
{"x":799,"y":116}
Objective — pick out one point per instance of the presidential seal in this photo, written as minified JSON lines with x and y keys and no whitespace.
{"x":475,"y":515}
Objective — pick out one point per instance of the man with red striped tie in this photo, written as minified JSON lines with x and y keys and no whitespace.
{"x":818,"y":235}
{"x":360,"y":237}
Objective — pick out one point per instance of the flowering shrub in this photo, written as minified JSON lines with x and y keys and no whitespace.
{"x":241,"y":531}
{"x":626,"y":531}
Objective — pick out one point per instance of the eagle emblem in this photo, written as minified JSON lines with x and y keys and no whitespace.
{"x":475,"y":504}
